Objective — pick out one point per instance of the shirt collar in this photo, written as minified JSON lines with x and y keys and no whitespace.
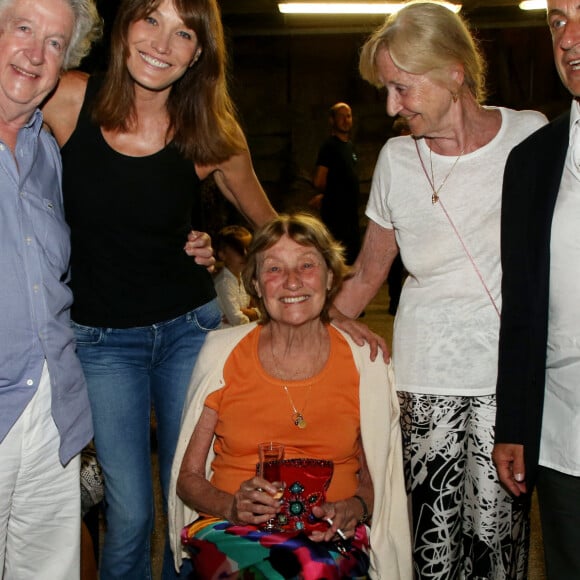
{"x":574,"y":115}
{"x":573,"y":158}
{"x":35,"y":122}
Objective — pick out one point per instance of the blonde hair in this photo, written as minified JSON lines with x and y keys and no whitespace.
{"x":425,"y":38}
{"x":307,"y":231}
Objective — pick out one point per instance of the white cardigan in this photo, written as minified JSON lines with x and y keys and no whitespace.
{"x":381,"y":437}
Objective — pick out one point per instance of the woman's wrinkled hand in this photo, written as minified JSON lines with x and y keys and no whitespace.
{"x":361,"y":333}
{"x":341,"y":518}
{"x":198,"y":246}
{"x":254,"y":503}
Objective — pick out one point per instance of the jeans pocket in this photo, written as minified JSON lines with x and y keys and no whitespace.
{"x":208,"y":316}
{"x":86,"y":335}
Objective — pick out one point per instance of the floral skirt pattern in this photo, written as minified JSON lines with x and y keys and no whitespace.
{"x":220,"y":549}
{"x":466,"y":526}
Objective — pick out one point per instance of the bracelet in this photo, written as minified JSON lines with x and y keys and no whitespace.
{"x":365,"y":515}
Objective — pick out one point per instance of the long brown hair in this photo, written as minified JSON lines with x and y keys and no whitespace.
{"x":202,"y":119}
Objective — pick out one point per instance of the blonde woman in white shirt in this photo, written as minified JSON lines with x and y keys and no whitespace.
{"x":436,"y":197}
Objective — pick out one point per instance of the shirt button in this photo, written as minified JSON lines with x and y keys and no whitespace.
{"x":35,"y":288}
{"x":28,"y":240}
{"x":29,"y":382}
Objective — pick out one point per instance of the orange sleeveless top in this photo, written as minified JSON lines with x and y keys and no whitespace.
{"x":253,"y":407}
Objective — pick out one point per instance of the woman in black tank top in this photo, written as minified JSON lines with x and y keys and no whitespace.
{"x":136,"y":145}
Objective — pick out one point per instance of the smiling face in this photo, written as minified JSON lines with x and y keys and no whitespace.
{"x":34,"y":35}
{"x":564,"y":23}
{"x":424,"y":104}
{"x":161,"y":48}
{"x":292,"y":281}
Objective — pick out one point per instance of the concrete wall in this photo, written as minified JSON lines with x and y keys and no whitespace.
{"x":284,"y":85}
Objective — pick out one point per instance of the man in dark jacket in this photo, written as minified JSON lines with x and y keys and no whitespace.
{"x":538,"y":389}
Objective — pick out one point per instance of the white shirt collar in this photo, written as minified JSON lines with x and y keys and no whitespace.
{"x":573,"y":157}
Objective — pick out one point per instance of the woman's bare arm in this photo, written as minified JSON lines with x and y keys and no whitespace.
{"x":238,"y":182}
{"x":253,"y":503}
{"x":61,"y":110}
{"x":370,"y":270}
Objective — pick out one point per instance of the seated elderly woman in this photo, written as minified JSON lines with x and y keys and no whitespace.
{"x":295,"y":379}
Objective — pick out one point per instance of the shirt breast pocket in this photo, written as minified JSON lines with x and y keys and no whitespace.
{"x":53,"y":234}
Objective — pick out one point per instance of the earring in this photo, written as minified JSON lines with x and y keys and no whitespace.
{"x":195,"y":58}
{"x":454,"y":97}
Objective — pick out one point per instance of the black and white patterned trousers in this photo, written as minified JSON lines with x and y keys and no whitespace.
{"x":465,"y":525}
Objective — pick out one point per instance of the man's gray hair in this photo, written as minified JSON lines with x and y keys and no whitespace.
{"x":87,"y":28}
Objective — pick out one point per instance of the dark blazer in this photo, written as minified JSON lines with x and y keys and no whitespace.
{"x":531,"y":184}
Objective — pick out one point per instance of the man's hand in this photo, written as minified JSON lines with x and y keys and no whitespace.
{"x":198,"y":246}
{"x":509,"y":461}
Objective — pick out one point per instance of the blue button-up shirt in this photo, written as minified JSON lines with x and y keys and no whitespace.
{"x":34,"y":298}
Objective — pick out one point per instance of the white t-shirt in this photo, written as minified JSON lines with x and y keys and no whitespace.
{"x":446,"y":330}
{"x":560,"y":443}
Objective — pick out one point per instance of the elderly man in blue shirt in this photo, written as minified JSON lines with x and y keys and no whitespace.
{"x":44,"y":411}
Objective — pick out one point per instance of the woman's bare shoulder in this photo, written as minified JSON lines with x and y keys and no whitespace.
{"x":61,"y":110}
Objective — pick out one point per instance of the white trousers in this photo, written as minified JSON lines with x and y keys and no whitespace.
{"x":40,"y":508}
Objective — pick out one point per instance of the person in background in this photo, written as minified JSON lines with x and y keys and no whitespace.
{"x":231,"y":246}
{"x":274,"y":382}
{"x":436,"y":196}
{"x":336,"y":177}
{"x":45,"y":419}
{"x":136,"y":144}
{"x":538,"y":404}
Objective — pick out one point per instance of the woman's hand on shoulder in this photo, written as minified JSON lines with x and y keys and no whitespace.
{"x":254,"y":502}
{"x":62,"y":108}
{"x":361,"y":334}
{"x":198,"y":246}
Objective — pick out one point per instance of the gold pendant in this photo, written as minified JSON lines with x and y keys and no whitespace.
{"x":299,"y":421}
{"x":434,"y":198}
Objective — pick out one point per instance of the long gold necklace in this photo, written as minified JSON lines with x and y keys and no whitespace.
{"x":431,"y":179}
{"x":297,"y":416}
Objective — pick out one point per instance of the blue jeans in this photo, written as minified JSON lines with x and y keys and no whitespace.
{"x":128,"y":372}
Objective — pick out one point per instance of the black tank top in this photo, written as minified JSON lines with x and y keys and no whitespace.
{"x":129,"y":219}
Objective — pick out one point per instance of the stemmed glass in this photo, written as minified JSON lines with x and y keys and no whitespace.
{"x":270,"y":455}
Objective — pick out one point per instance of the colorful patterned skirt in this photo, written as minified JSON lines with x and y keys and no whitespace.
{"x":220,"y":549}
